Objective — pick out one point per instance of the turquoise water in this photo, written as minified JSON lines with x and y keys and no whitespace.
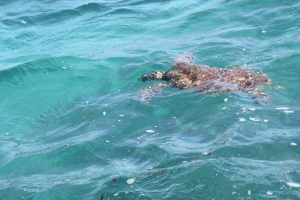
{"x":72,"y":124}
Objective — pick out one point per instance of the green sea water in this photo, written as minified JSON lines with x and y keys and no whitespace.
{"x":73,"y":126}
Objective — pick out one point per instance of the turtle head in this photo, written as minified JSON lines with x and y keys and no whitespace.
{"x":156,"y":75}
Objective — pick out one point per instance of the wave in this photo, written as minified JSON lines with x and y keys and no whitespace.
{"x":123,"y":11}
{"x":56,"y":17}
{"x":44,"y":65}
{"x":142,"y":2}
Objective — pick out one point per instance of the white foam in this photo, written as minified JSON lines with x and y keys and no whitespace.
{"x":293,"y":144}
{"x":269,"y":193}
{"x":104,"y":113}
{"x":130,"y":181}
{"x":293,"y":184}
{"x":249,"y":192}
{"x":288,"y":111}
{"x":282,"y":108}
{"x":254,"y":119}
{"x":150,"y":131}
{"x":242,"y":119}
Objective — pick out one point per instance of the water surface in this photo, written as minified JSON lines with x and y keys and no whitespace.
{"x":72,"y":124}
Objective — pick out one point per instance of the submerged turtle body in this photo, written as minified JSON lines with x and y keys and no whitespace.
{"x":206,"y":79}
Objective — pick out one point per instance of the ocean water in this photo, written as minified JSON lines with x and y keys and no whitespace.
{"x":73,"y":126}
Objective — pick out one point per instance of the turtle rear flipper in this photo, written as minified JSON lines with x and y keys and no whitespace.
{"x":147,"y":93}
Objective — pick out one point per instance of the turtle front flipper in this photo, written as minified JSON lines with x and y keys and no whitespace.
{"x":259,"y":95}
{"x":147,"y":93}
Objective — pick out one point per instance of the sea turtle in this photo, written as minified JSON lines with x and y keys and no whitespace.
{"x":203,"y":78}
